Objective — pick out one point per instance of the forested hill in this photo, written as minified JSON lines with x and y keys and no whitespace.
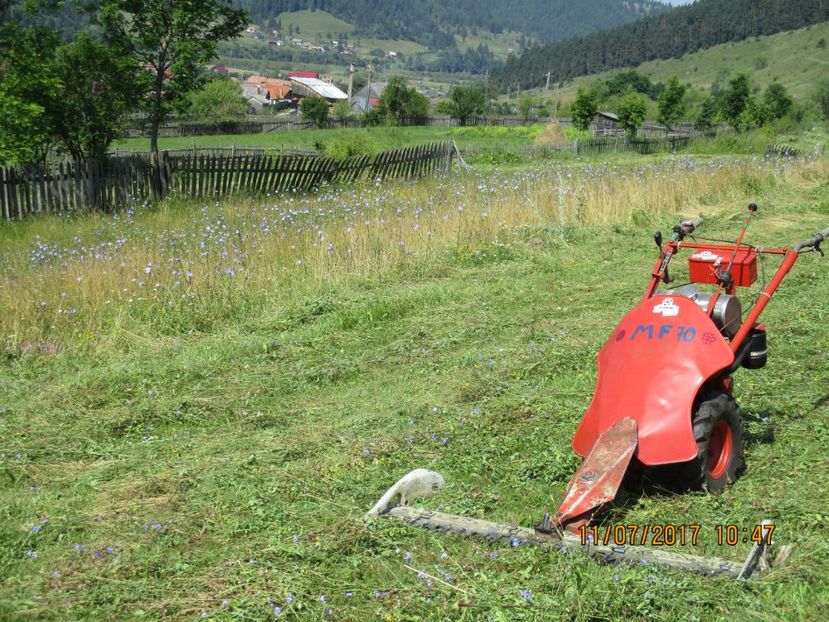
{"x":431,"y":21}
{"x":667,"y":35}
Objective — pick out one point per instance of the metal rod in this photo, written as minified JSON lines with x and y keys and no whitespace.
{"x":566,"y":541}
{"x":763,"y":299}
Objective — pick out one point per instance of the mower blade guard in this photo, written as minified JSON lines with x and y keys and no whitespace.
{"x":598,"y":479}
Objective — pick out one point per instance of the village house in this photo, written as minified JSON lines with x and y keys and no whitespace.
{"x":314,"y":87}
{"x":605,"y":121}
{"x":261,"y":91}
{"x":363,"y":101}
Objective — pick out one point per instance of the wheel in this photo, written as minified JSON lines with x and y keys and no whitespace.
{"x":720,"y":436}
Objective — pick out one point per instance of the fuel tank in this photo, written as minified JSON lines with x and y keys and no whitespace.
{"x":651,"y":369}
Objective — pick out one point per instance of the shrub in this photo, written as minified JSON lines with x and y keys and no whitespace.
{"x":352,"y":144}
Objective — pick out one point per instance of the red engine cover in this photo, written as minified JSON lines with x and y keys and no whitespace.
{"x":651,"y":369}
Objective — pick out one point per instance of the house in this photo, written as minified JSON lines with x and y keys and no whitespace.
{"x":605,"y":121}
{"x":257,"y":101}
{"x":219,"y":69}
{"x":304,"y":74}
{"x":271,"y":90}
{"x":309,"y":87}
{"x":363,"y":101}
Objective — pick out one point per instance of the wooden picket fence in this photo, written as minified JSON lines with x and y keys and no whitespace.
{"x":598,"y":146}
{"x":112,"y":183}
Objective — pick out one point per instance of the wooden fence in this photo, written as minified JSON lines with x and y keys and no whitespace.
{"x":111,"y":183}
{"x":68,"y":186}
{"x":266,"y":123}
{"x":598,"y":146}
{"x":592,"y":146}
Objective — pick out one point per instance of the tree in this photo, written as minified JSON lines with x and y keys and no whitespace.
{"x":756,"y":113}
{"x":584,"y":109}
{"x":71,"y":95}
{"x":467,"y":102}
{"x":26,"y":79}
{"x":219,"y":101}
{"x":735,"y":99}
{"x":400,"y":100}
{"x":821,"y":97}
{"x":95,"y":96}
{"x":777,"y":100}
{"x":525,"y":108}
{"x":342,"y":110}
{"x":707,"y":112}
{"x":315,"y":109}
{"x":671,"y":105}
{"x":172,"y":40}
{"x":632,"y":111}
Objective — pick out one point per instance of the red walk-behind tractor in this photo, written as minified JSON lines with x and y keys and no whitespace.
{"x":663,"y":402}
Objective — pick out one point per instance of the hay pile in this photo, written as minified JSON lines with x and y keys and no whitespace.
{"x":552,"y":135}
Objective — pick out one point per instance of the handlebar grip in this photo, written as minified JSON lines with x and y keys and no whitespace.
{"x":815,"y":239}
{"x":691,"y":225}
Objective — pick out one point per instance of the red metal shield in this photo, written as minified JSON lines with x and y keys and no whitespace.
{"x":651,"y":369}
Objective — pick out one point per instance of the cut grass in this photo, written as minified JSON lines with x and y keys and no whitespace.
{"x":219,"y":470}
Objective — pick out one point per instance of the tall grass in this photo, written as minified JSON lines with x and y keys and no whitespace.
{"x":185,"y":266}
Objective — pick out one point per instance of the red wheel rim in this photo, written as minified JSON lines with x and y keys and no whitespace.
{"x":719,"y":449}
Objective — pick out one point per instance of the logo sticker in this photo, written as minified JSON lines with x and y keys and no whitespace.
{"x":707,"y":256}
{"x":667,"y":308}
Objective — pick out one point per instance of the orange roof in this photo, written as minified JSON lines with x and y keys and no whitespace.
{"x":255,"y":80}
{"x":277,"y":89}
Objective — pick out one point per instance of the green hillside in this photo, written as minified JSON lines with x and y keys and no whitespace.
{"x":796,"y":59}
{"x":684,"y":30}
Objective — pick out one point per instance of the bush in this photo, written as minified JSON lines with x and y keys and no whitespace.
{"x":219,"y":101}
{"x":821,"y":97}
{"x":352,"y":144}
{"x":315,"y":109}
{"x":632,"y":113}
{"x":583,"y":110}
{"x":342,"y":110}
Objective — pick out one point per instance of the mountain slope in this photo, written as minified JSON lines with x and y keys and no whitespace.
{"x":667,"y":35}
{"x":431,"y":22}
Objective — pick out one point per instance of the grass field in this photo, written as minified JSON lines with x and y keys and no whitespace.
{"x":199,"y":401}
{"x":314,"y":23}
{"x":373,"y":138}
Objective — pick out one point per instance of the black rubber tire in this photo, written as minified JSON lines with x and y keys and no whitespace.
{"x":716,"y":418}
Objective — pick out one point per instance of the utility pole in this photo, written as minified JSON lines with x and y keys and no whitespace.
{"x":547,"y":86}
{"x":368,"y":89}
{"x":555,"y":108}
{"x":350,"y":82}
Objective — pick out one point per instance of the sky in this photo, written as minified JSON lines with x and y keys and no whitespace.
{"x":678,"y":2}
